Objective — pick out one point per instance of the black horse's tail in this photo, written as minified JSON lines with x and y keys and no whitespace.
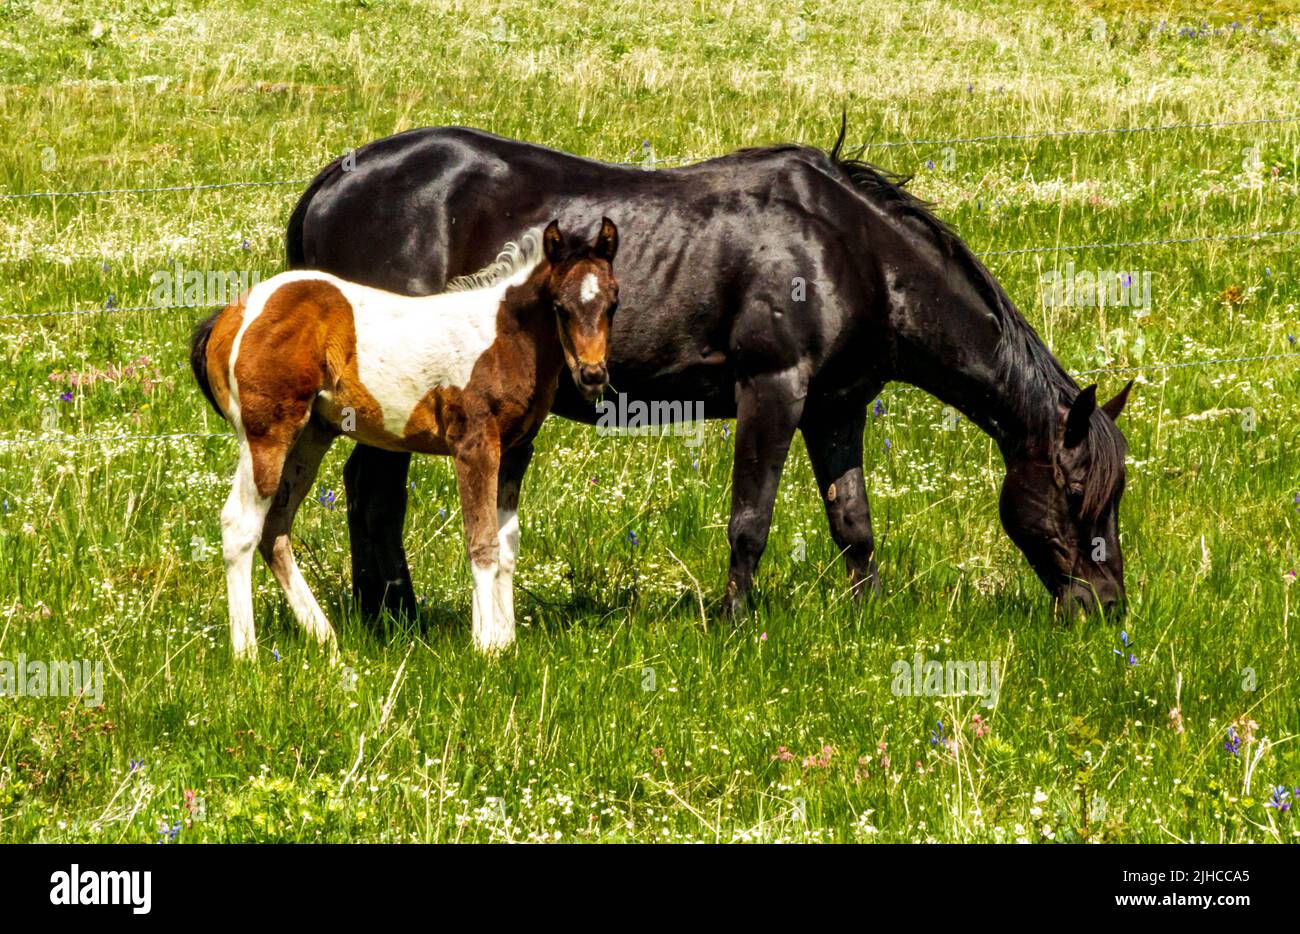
{"x":199,"y":357}
{"x":293,"y":247}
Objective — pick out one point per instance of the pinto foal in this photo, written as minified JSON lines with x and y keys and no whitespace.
{"x":470,"y":373}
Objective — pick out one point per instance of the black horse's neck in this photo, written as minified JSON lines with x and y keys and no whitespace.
{"x":965,"y":343}
{"x":956,"y":333}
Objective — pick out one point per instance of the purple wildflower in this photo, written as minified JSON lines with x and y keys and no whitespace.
{"x":1233,"y":743}
{"x":66,"y":396}
{"x":1280,"y":799}
{"x":326,"y":498}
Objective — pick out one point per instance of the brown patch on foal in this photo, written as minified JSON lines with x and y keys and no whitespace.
{"x":302,"y":342}
{"x":220,"y":343}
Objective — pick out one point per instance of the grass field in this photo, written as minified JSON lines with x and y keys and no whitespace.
{"x":625,"y":713}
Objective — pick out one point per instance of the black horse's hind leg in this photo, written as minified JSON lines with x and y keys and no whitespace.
{"x":832,"y":432}
{"x":376,"y":486}
{"x":768,"y":409}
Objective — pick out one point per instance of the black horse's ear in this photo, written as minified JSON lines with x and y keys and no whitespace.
{"x":1076,"y":423}
{"x":1115,"y":406}
{"x":551,"y":241}
{"x":607,"y":240}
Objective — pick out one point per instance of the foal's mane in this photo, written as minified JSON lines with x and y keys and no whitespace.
{"x":514,"y":258}
{"x":1023,"y":361}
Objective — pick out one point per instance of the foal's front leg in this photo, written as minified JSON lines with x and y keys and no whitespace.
{"x":478,"y":460}
{"x":514,"y":463}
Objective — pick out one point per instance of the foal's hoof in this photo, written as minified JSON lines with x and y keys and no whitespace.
{"x":493,"y":649}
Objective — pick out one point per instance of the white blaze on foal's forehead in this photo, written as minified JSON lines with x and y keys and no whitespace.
{"x":590,"y":286}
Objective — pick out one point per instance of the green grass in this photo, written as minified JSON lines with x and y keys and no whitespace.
{"x":622,"y":714}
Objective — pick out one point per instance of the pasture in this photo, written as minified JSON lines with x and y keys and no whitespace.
{"x":630,"y":710}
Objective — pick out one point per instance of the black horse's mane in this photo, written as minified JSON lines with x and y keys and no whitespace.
{"x":1024,"y":361}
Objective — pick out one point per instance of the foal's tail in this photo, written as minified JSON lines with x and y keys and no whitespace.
{"x":199,"y":357}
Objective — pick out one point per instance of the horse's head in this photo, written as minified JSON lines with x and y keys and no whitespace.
{"x":584,"y":293}
{"x":1060,"y":505}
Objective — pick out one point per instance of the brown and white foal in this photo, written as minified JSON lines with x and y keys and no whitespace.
{"x":470,"y":373}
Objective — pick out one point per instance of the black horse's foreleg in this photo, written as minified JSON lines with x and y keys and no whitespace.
{"x":376,"y":492}
{"x":832,"y":432}
{"x":768,"y":409}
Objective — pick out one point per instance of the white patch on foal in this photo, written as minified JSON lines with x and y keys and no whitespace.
{"x":587,"y":291}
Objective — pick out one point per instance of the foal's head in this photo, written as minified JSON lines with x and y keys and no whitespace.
{"x":1060,"y":505}
{"x":584,"y":293}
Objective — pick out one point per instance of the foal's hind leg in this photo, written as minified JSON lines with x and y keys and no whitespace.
{"x":296,"y":478}
{"x":242,"y":519}
{"x":832,"y":431}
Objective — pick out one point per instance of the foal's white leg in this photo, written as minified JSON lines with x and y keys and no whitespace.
{"x":296,"y":478}
{"x":242,"y":520}
{"x":508,"y":552}
{"x":487,"y":637}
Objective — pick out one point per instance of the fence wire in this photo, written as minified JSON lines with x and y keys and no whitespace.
{"x":651,"y":160}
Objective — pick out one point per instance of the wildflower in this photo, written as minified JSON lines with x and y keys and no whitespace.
{"x":632,"y":537}
{"x":888,"y":445}
{"x":762,"y":637}
{"x":326,"y":498}
{"x":936,"y":736}
{"x":245,"y":245}
{"x":66,"y":396}
{"x":1124,"y":641}
{"x":819,"y":761}
{"x":1279,"y":800}
{"x":1176,"y":720}
{"x":1233,"y":743}
{"x":657,"y":752}
{"x":137,"y":764}
{"x":110,"y":302}
{"x":1247,"y":728}
{"x":929,"y":163}
{"x":168,"y":832}
{"x":980,"y":725}
{"x":442,"y":512}
{"x":878,"y":409}
{"x":782,"y":755}
{"x":276,"y":653}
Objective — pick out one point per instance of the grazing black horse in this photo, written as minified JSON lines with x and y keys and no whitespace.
{"x":782,"y":286}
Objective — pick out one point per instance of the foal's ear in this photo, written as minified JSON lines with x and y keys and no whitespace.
{"x":607,"y":240}
{"x":1076,"y":423}
{"x":551,"y":242}
{"x":1115,"y":406}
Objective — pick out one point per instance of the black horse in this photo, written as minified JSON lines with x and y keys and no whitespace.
{"x":782,"y":286}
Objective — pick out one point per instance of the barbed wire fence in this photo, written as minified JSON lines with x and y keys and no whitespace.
{"x":651,"y":161}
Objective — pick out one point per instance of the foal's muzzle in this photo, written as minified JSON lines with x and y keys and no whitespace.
{"x":590,"y":378}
